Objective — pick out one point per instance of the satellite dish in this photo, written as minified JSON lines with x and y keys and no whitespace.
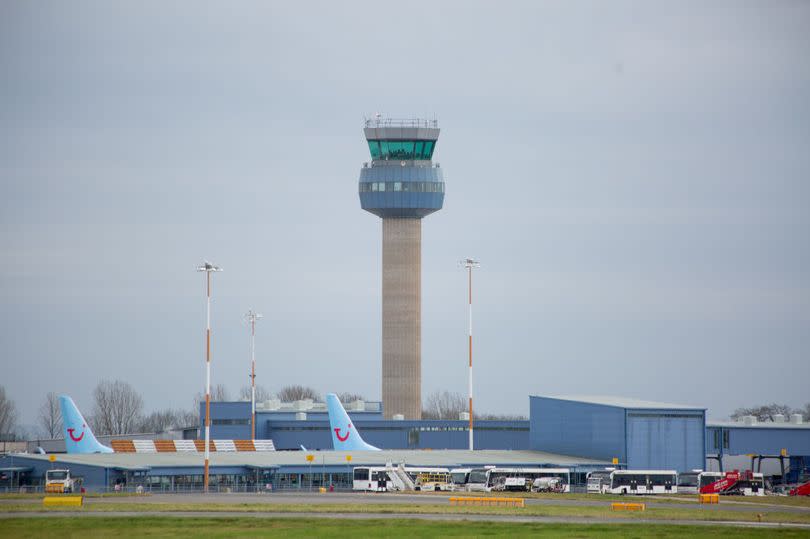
{"x":402,"y":163}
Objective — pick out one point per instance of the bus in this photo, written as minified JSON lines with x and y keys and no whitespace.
{"x":459,"y":478}
{"x":642,"y":482}
{"x":688,"y":482}
{"x":516,"y":479}
{"x":371,"y":479}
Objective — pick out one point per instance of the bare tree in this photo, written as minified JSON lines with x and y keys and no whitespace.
{"x":50,"y":416}
{"x":161,"y":421}
{"x":764,"y":412}
{"x":443,"y":405}
{"x":117,"y":408}
{"x":297,"y":393}
{"x":350,"y":397}
{"x":220,"y":393}
{"x":8,"y":415}
{"x":261,"y":394}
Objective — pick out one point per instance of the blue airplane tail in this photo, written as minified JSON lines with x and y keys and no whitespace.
{"x":345,"y":436}
{"x":79,"y":437}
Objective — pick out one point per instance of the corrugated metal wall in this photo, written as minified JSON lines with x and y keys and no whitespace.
{"x":576,"y":428}
{"x":665,"y":440}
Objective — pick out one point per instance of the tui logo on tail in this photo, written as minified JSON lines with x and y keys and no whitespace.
{"x":85,"y":441}
{"x":342,"y":439}
{"x":76,"y":438}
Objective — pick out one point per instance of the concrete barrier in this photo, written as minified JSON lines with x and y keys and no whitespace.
{"x":62,"y":501}
{"x":490,"y":501}
{"x":621,"y":506}
{"x":709,"y":498}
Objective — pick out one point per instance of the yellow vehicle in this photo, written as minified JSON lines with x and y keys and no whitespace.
{"x":433,"y":481}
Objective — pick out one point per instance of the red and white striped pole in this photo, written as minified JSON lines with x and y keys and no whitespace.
{"x":470,"y":264}
{"x":207,"y":267}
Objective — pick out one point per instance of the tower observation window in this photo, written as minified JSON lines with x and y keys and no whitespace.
{"x":403,"y":150}
{"x":416,"y":187}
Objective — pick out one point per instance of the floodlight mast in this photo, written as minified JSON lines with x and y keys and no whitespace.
{"x":469,"y":264}
{"x":251,"y":317}
{"x":208,"y":268}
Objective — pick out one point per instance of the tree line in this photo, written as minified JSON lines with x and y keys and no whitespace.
{"x":119,"y":409}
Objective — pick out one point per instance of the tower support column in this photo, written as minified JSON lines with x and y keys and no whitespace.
{"x":401,"y":317}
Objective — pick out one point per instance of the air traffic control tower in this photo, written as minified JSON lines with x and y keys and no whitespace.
{"x":401,"y":185}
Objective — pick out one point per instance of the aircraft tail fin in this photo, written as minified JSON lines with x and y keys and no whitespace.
{"x":345,"y":436}
{"x":79,"y":437}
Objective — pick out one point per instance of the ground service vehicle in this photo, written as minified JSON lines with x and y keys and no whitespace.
{"x":642,"y":482}
{"x":398,"y":477}
{"x":435,"y":481}
{"x":801,"y":490}
{"x":59,"y":482}
{"x":516,"y":479}
{"x":746,"y":483}
{"x":598,"y":480}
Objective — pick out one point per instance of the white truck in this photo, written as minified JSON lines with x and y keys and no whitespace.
{"x":59,"y":482}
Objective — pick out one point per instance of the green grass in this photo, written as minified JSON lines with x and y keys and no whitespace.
{"x":652,"y":513}
{"x":118,"y":527}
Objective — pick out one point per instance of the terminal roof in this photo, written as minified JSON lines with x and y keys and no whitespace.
{"x":268,"y":459}
{"x":623,"y":402}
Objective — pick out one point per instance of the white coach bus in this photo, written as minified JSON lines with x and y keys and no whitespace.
{"x":642,"y":482}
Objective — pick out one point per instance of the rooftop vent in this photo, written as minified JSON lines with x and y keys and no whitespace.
{"x":778,"y":418}
{"x":749,"y":420}
{"x":300,"y":416}
{"x":796,"y":419}
{"x":398,"y":417}
{"x":464,"y":416}
{"x":272,"y":404}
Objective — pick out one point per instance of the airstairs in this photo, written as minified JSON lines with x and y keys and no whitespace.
{"x":399,"y":477}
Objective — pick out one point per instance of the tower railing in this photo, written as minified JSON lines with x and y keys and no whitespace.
{"x":401,"y":122}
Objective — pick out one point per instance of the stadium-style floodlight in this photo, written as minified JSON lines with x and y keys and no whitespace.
{"x":208,"y":268}
{"x":469,"y":264}
{"x":251,"y":317}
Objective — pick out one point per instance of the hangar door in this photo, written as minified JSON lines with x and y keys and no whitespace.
{"x":665,"y":441}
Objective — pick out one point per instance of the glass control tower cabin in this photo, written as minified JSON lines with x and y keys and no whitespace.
{"x":401,"y":185}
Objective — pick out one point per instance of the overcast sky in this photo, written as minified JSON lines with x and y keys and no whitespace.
{"x":633,"y":176}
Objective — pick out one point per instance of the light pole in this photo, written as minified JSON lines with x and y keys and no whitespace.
{"x":208,"y":268}
{"x":251,"y":317}
{"x":469,"y":263}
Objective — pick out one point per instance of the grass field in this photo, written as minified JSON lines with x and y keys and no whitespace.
{"x":603,"y":512}
{"x":307,"y":527}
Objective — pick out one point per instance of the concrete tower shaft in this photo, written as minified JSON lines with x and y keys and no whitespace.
{"x":401,"y":317}
{"x":401,"y":185}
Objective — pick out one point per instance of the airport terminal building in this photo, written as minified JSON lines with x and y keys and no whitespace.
{"x":579,"y":433}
